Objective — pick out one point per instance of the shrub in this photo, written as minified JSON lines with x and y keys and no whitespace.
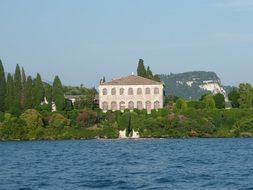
{"x":86,"y":118}
{"x":32,"y":118}
{"x":57,"y":120}
{"x":181,"y":104}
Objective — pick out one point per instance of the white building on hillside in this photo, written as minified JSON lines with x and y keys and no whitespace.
{"x":131,"y":92}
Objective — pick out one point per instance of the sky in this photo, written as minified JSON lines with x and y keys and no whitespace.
{"x":83,"y":40}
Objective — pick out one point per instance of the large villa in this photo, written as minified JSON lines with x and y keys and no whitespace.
{"x":131,"y":92}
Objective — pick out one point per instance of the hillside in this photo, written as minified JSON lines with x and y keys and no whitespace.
{"x":192,"y":85}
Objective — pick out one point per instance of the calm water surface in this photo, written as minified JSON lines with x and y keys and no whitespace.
{"x":127,"y":164}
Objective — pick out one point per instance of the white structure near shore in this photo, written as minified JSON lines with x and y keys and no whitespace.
{"x":131,"y":92}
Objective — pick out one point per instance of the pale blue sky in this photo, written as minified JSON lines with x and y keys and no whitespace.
{"x":84,"y":40}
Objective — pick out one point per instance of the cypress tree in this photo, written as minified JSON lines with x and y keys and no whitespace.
{"x":2,"y":88}
{"x":17,"y":87}
{"x":29,"y":93}
{"x":48,"y":93}
{"x":24,"y":90}
{"x":245,"y":91}
{"x":38,"y":90}
{"x":58,"y":94}
{"x":234,"y":96}
{"x":149,"y":73}
{"x":141,"y":70}
{"x":9,"y":100}
{"x":219,"y":100}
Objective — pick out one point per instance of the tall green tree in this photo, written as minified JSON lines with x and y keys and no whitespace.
{"x":149,"y":73}
{"x":219,"y":100}
{"x":48,"y":93}
{"x":141,"y":70}
{"x":29,"y":93}
{"x":246,"y":95}
{"x":209,"y":102}
{"x":2,"y":88}
{"x":58,"y":94}
{"x":38,"y":90}
{"x":157,"y":78}
{"x":24,"y":89}
{"x":9,"y":100}
{"x":181,"y":104}
{"x":233,"y":97}
{"x":17,"y":87}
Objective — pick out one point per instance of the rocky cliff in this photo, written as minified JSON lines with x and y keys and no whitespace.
{"x":192,"y":85}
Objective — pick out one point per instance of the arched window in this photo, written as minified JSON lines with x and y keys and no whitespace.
{"x":156,"y":90}
{"x":148,"y":105}
{"x":114,"y":106}
{"x":130,"y":91}
{"x":122,"y":105}
{"x":139,"y":105}
{"x":131,"y":105}
{"x":113,"y":91}
{"x":139,"y":91}
{"x":147,"y":91}
{"x":121,"y":91}
{"x":104,"y":91}
{"x":156,"y":105}
{"x":105,"y":106}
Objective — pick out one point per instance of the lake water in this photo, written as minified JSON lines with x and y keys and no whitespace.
{"x":127,"y":164}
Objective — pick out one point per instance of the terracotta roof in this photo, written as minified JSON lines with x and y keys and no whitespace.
{"x":132,"y":80}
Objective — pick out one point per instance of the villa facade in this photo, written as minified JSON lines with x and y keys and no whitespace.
{"x":131,"y":92}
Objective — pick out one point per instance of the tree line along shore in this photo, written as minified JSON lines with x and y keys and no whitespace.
{"x":24,"y":116}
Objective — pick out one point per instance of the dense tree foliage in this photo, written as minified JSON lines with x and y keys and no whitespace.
{"x":29,"y":102}
{"x":32,"y":118}
{"x":9,"y":103}
{"x":219,"y":100}
{"x":24,"y":89}
{"x":209,"y":102}
{"x":233,"y":97}
{"x":2,"y":87}
{"x":146,"y":73}
{"x":181,"y":104}
{"x":38,"y":90}
{"x":17,"y":88}
{"x":141,"y":70}
{"x":246,"y":95}
{"x":58,"y":94}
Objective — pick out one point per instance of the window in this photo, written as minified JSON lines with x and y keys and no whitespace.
{"x":122,"y":105}
{"x":104,"y":91}
{"x":139,"y":91}
{"x":130,"y":91}
{"x":131,"y":105}
{"x":148,"y":105}
{"x":156,"y":90}
{"x":105,"y":106}
{"x":139,"y":105}
{"x":121,"y":91}
{"x":113,"y":91}
{"x":113,"y":106}
{"x":147,"y":90}
{"x":156,"y":105}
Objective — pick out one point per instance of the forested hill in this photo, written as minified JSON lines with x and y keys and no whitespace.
{"x":192,"y":85}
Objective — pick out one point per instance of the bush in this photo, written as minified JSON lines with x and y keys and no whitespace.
{"x":181,"y":104}
{"x":32,"y":118}
{"x":57,"y":120}
{"x":86,"y":118}
{"x":13,"y":129}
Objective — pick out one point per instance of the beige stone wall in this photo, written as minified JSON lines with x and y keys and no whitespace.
{"x":109,"y":98}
